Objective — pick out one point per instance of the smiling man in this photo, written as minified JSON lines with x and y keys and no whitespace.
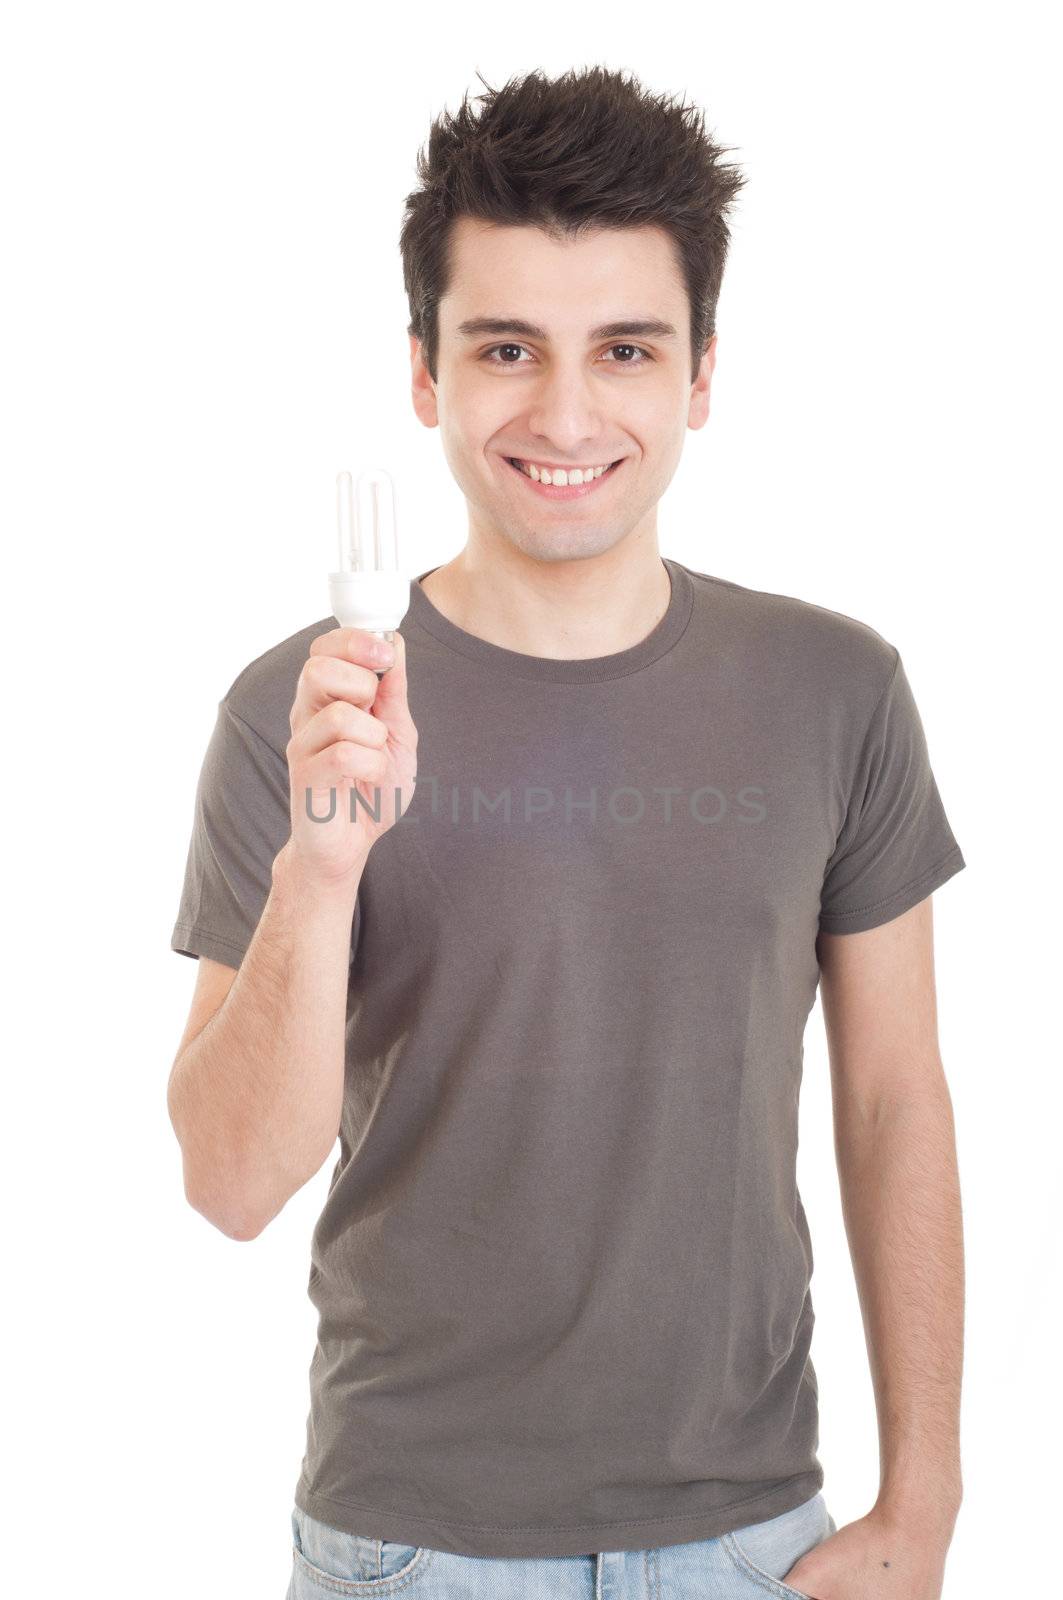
{"x":563,"y":436}
{"x":613,"y":822}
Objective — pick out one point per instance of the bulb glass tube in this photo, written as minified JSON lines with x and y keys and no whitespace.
{"x":369,"y":590}
{"x":345,"y":514}
{"x":375,"y":542}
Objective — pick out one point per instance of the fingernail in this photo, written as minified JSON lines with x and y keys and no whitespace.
{"x":383,"y":652}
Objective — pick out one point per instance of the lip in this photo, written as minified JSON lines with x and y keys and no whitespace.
{"x":568,"y":491}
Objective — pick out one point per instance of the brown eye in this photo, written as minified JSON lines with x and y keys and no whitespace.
{"x":643,"y":353}
{"x":489,"y":353}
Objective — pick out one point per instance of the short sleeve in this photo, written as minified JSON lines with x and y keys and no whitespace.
{"x":896,"y":845}
{"x":242,"y":817}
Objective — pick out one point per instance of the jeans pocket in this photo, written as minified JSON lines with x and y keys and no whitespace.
{"x":330,"y":1561}
{"x":765,"y":1551}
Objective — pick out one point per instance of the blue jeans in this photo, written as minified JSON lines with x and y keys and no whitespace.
{"x":744,"y":1565}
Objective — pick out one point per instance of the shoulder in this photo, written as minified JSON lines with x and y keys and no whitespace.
{"x":261,"y":694}
{"x":811,"y":646}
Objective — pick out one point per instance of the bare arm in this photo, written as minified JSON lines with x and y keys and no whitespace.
{"x":256,"y":1090}
{"x":896,"y":1152}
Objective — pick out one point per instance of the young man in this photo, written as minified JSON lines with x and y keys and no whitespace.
{"x":614,"y":820}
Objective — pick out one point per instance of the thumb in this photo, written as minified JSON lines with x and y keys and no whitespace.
{"x":391,"y":703}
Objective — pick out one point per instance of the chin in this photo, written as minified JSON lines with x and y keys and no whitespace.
{"x":577,"y":544}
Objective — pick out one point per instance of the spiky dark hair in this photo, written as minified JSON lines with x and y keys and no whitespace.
{"x":589,"y":149}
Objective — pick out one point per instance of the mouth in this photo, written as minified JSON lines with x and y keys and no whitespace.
{"x":557,"y":491}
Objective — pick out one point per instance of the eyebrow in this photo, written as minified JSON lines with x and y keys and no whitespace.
{"x":633,"y":328}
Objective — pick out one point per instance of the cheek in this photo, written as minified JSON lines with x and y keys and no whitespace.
{"x":473,"y":422}
{"x":652,"y":416}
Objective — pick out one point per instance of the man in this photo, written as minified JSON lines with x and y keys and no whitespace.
{"x":602,"y":827}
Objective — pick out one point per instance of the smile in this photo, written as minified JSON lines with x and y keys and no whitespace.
{"x":539,"y":479}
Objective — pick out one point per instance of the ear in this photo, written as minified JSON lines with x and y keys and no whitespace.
{"x":699,"y":394}
{"x":423,"y":389}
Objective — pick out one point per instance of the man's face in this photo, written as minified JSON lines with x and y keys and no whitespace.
{"x":566,"y":394}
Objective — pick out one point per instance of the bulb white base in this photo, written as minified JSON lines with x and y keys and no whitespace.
{"x":375,"y":601}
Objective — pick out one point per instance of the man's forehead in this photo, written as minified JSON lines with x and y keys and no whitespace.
{"x":474,"y":242}
{"x":614,"y":282}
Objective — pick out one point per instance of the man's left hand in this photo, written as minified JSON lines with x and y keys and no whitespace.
{"x":878,"y":1557}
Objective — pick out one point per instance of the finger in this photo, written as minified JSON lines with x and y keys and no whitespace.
{"x":337,"y":720}
{"x":392,"y":697}
{"x":342,"y":762}
{"x":350,"y":644}
{"x":327,"y":677}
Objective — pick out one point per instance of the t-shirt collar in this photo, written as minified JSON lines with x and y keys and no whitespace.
{"x":590,"y":669}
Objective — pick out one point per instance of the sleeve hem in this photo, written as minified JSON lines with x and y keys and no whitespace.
{"x":188,"y":939}
{"x":863,"y":918}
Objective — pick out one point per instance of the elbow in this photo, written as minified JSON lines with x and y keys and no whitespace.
{"x":235,"y":1221}
{"x":237,"y":1196}
{"x":247,"y":1209}
{"x":226,"y":1206}
{"x":229,"y":1207}
{"x":242,"y":1230}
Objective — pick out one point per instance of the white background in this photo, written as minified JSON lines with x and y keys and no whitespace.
{"x":203,"y":321}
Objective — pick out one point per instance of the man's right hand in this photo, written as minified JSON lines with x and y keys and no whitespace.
{"x":350,"y":731}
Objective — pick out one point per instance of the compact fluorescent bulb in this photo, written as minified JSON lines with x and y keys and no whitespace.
{"x":369,"y":591}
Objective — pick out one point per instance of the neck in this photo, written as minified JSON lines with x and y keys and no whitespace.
{"x":561,"y":610}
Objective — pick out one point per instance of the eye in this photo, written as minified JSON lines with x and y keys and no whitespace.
{"x":489,"y":354}
{"x":644,"y":353}
{"x":495,"y":347}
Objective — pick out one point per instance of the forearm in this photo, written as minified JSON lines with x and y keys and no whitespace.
{"x":901,"y":1202}
{"x":256,"y":1095}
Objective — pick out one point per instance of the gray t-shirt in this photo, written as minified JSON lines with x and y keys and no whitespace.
{"x":563,"y":1267}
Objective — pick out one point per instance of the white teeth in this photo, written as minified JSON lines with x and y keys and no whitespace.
{"x":560,"y":477}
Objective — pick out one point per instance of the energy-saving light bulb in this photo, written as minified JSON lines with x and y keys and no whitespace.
{"x":370,"y":590}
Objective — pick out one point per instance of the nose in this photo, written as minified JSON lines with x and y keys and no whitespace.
{"x":566,"y":411}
